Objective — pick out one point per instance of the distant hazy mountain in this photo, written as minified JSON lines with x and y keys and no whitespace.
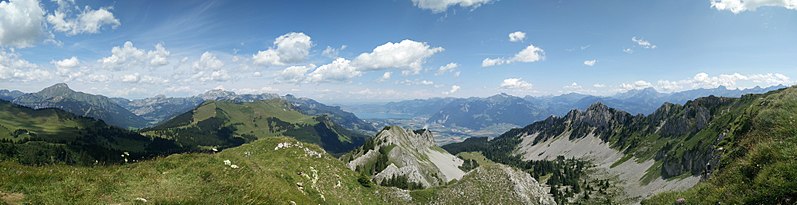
{"x":478,"y":113}
{"x":161,"y":108}
{"x":82,"y":104}
{"x":9,"y":95}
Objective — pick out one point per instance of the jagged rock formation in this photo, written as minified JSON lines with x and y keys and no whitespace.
{"x":399,"y":152}
{"x":669,"y":149}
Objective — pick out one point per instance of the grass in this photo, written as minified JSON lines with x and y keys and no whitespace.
{"x":265,"y":176}
{"x":759,"y":163}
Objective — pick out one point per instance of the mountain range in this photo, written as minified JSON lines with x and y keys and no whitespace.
{"x":477,"y":113}
{"x":95,"y":106}
{"x":721,"y":141}
{"x":141,"y":113}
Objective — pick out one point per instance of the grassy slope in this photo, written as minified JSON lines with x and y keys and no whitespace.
{"x":759,"y":163}
{"x":249,"y":121}
{"x":54,"y":136}
{"x":43,"y":122}
{"x":265,"y":176}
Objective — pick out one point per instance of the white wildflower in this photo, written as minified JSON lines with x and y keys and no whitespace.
{"x":227,"y":162}
{"x":143,"y":200}
{"x":234,"y":166}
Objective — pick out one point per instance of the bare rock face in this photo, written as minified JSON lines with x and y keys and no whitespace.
{"x":409,"y":153}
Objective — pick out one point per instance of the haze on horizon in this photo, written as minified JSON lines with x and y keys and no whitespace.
{"x":376,"y":51}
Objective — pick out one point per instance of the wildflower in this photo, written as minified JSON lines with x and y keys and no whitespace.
{"x":227,"y":162}
{"x":234,"y":166}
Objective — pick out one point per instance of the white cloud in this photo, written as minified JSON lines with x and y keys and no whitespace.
{"x":437,"y":6}
{"x":130,"y":78}
{"x":573,"y":87}
{"x":738,"y":6}
{"x":640,"y":84}
{"x":21,"y":23}
{"x":628,"y":50}
{"x":128,"y":56}
{"x":209,"y":68}
{"x":386,"y":76}
{"x":454,"y":89}
{"x":418,"y":82}
{"x":67,"y":63}
{"x":145,"y":79}
{"x":529,"y":54}
{"x":598,"y":85}
{"x":517,"y":36}
{"x":643,"y":43}
{"x":87,"y":21}
{"x":294,"y":74}
{"x":14,"y":68}
{"x":516,"y":84}
{"x":339,"y":70}
{"x":331,"y":52}
{"x":590,"y":62}
{"x":487,"y":62}
{"x":704,"y":80}
{"x":287,"y":49}
{"x":407,"y":55}
{"x":450,"y":67}
{"x":64,"y":67}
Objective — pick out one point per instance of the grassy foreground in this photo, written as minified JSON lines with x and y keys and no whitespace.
{"x":301,"y":173}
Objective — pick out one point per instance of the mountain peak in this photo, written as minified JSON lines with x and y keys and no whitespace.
{"x":56,"y":90}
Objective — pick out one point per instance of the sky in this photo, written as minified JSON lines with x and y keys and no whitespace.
{"x":388,"y":50}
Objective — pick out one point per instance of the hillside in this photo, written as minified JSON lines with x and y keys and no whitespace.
{"x":268,"y":171}
{"x":671,"y":149}
{"x":227,"y":123}
{"x":47,"y":136}
{"x":95,"y":106}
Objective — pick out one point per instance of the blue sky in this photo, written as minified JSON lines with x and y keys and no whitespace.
{"x":341,"y":51}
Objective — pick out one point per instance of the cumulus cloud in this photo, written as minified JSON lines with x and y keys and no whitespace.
{"x":287,"y":49}
{"x":643,"y":43}
{"x":128,"y":56}
{"x":386,"y":76}
{"x":529,"y":54}
{"x":339,"y":70}
{"x":64,"y":67}
{"x":87,"y":20}
{"x":590,"y":62}
{"x":517,"y":36}
{"x":450,"y":67}
{"x":21,"y":23}
{"x":640,"y":84}
{"x":739,"y":6}
{"x":209,"y":68}
{"x":407,"y":55}
{"x":515,"y":84}
{"x":14,"y":68}
{"x":438,"y":6}
{"x":294,"y":74}
{"x":454,"y":89}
